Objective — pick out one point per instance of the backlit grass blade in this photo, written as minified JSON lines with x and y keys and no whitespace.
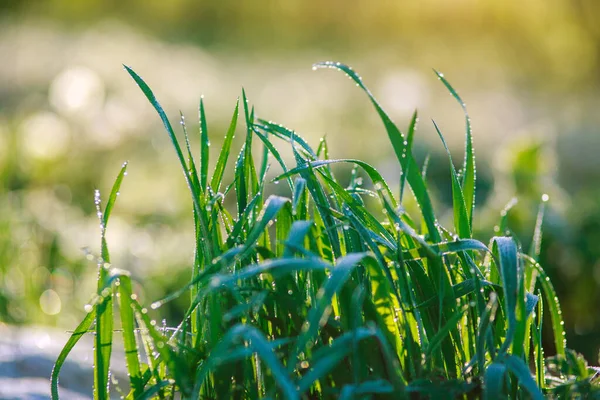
{"x":290,"y":136}
{"x":114,"y":193}
{"x":273,"y":150}
{"x":128,"y":326}
{"x":204,"y":148}
{"x":396,"y":137}
{"x":468,"y":169}
{"x":553,"y":306}
{"x":81,"y":330}
{"x":374,"y":175}
{"x":217,"y":177}
{"x":462,"y":224}
{"x":412,"y":127}
{"x":152,"y":99}
{"x":272,"y":206}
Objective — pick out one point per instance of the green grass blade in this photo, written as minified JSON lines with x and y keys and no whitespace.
{"x":518,"y":367}
{"x":462,"y":223}
{"x":468,"y":172}
{"x":505,"y":253}
{"x":553,"y":306}
{"x":414,"y":178}
{"x":272,"y":207}
{"x":495,"y":376}
{"x":217,"y":177}
{"x":339,"y":274}
{"x":152,"y":99}
{"x":374,"y":175}
{"x":204,"y":148}
{"x":114,"y":193}
{"x":128,"y":326}
{"x":412,"y":127}
{"x":81,"y":330}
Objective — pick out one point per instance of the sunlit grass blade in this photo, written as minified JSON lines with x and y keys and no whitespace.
{"x":468,"y":169}
{"x":412,"y":127}
{"x":81,"y":330}
{"x":114,"y":193}
{"x":217,"y":177}
{"x":165,"y":120}
{"x":553,"y":306}
{"x":128,"y":326}
{"x":374,"y":175}
{"x":462,"y":224}
{"x":414,"y":178}
{"x":204,"y":148}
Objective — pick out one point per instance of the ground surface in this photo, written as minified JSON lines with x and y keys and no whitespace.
{"x":27,"y":355}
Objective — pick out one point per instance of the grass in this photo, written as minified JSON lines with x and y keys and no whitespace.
{"x":313,"y":296}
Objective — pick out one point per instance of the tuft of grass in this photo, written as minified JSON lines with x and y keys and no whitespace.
{"x":312,"y":296}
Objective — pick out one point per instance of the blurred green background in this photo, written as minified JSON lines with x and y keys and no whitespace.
{"x":69,"y":116}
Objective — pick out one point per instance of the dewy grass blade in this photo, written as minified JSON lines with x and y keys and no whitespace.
{"x":204,"y":148}
{"x":461,"y":217}
{"x":128,"y":326}
{"x":396,"y":137}
{"x":553,"y":306}
{"x":217,"y":177}
{"x":505,"y":254}
{"x":518,"y":367}
{"x":114,"y":193}
{"x":412,"y":127}
{"x":468,"y":173}
{"x":152,"y":99}
{"x":81,"y":330}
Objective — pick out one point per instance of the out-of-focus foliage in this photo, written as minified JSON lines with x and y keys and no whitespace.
{"x":69,"y":117}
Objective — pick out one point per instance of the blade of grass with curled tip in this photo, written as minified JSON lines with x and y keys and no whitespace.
{"x":462,"y":223}
{"x":468,"y":173}
{"x":217,"y":177}
{"x":81,"y":330}
{"x":114,"y":193}
{"x":396,"y":137}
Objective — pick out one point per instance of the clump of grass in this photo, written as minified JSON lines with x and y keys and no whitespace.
{"x":312,"y":296}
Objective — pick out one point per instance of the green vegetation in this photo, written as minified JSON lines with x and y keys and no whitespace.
{"x":336,"y":291}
